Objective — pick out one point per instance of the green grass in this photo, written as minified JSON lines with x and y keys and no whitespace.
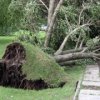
{"x":41,"y":34}
{"x":73,"y":74}
{"x":64,"y":93}
{"x":40,"y":65}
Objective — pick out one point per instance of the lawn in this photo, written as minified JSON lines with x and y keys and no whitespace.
{"x":64,"y":93}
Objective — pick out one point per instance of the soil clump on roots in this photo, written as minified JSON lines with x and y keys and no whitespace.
{"x":11,"y":74}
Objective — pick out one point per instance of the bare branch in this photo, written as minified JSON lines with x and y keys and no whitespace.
{"x":81,"y":44}
{"x":68,"y":23}
{"x":96,"y":50}
{"x":67,"y":37}
{"x":96,"y":57}
{"x":85,"y":49}
{"x":79,"y":20}
{"x":78,"y":41}
{"x":44,"y":4}
{"x":71,"y":51}
{"x":80,"y":15}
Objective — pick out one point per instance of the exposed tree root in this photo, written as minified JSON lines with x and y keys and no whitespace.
{"x":11,"y":73}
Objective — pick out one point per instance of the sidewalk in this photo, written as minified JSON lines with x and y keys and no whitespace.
{"x":90,"y":84}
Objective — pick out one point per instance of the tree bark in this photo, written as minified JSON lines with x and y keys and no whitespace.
{"x":83,"y":49}
{"x":68,"y":63}
{"x":49,"y":29}
{"x":44,"y":4}
{"x":81,"y":44}
{"x":50,"y":10}
{"x":77,"y":43}
{"x":75,"y":56}
{"x":71,"y":51}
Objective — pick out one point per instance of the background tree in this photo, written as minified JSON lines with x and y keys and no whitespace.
{"x":4,"y":16}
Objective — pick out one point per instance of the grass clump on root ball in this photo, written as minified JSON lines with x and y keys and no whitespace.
{"x":39,"y":65}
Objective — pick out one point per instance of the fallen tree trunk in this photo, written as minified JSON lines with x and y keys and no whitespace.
{"x":70,"y":51}
{"x":75,"y":56}
{"x":78,"y":50}
{"x":68,"y":63}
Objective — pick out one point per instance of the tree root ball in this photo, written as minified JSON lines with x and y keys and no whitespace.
{"x":11,"y":73}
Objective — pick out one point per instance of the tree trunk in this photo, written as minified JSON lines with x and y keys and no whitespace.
{"x":71,"y":51}
{"x":96,"y":48}
{"x":51,"y":23}
{"x":50,"y":10}
{"x":75,"y":56}
{"x":68,"y":63}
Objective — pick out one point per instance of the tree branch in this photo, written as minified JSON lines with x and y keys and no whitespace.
{"x":67,"y":37}
{"x":44,"y":4}
{"x":77,"y":43}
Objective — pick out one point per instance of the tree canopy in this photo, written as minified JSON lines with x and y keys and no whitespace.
{"x":61,"y":19}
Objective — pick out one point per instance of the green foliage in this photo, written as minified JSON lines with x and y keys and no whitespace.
{"x":4,"y":16}
{"x":30,"y":15}
{"x":58,"y":32}
{"x":26,"y":14}
{"x":33,"y":38}
{"x":68,"y":20}
{"x":69,"y":11}
{"x":93,"y":42}
{"x":61,"y":29}
{"x":48,"y":50}
{"x":15,"y":10}
{"x":95,"y":12}
{"x":22,"y":35}
{"x":41,"y":34}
